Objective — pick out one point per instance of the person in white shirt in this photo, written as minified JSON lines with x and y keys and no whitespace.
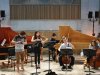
{"x":66,"y":45}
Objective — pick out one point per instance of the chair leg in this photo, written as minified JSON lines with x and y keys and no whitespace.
{"x":66,"y":66}
{"x":14,"y":65}
{"x":11,"y":63}
{"x":8,"y":62}
{"x":31,"y":61}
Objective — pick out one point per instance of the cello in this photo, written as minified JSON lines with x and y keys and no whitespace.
{"x":95,"y":60}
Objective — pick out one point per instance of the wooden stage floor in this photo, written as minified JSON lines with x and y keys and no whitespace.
{"x":78,"y":69}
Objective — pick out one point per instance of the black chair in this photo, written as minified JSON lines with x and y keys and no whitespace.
{"x":11,"y":57}
{"x":30,"y":52}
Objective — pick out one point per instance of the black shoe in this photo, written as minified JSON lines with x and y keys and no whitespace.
{"x":63,"y":67}
{"x":69,"y":67}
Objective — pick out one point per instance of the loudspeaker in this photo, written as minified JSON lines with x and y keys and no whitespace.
{"x":97,"y":14}
{"x":90,"y":14}
{"x":2,"y":13}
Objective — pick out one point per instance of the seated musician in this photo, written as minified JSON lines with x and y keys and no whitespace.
{"x":66,"y":45}
{"x":52,"y":48}
{"x":98,"y":43}
{"x":92,"y":46}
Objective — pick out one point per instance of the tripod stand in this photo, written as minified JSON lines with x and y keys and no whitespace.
{"x":89,"y":53}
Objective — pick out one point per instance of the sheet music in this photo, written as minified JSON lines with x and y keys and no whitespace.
{"x":3,"y":42}
{"x":68,"y":47}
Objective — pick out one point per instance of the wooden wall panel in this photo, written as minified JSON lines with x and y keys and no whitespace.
{"x":45,"y":11}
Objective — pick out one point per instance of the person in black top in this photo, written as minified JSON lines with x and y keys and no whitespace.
{"x":53,"y":41}
{"x":37,"y":45}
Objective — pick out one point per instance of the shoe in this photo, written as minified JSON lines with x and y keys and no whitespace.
{"x":63,"y":67}
{"x":22,"y":68}
{"x":69,"y":67}
{"x":95,"y":68}
{"x":38,"y":66}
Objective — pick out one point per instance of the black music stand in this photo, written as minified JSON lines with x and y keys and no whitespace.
{"x":48,"y":45}
{"x":36,"y":73}
{"x":89,"y":53}
{"x":66,"y":52}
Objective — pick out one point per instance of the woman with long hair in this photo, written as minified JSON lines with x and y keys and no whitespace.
{"x":37,"y":45}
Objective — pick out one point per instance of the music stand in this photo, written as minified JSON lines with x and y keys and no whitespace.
{"x":66,"y":51}
{"x":36,"y":73}
{"x":89,"y":53}
{"x":48,"y":45}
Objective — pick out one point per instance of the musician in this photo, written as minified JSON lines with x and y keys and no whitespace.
{"x":98,"y":43}
{"x":37,"y":44}
{"x":93,"y":46}
{"x":66,"y":45}
{"x":98,"y":36}
{"x":52,"y":48}
{"x":19,"y":41}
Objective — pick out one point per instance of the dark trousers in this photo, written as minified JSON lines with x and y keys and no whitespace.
{"x":71,"y":63}
{"x":53,"y":53}
{"x":37,"y":55}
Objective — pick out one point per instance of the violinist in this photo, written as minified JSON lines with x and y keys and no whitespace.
{"x":66,"y":45}
{"x":37,"y":43}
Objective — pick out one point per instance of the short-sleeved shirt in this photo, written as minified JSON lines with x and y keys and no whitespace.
{"x":65,"y":46}
{"x":19,"y":43}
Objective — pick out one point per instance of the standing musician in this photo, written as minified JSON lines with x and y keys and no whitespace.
{"x":66,"y":45}
{"x":37,"y":45}
{"x":19,"y":41}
